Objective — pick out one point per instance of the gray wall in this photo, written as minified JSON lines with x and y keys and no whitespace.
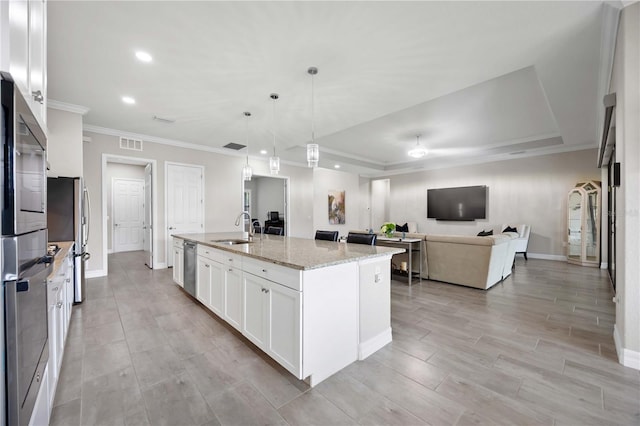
{"x":325,"y":180}
{"x":529,"y":190}
{"x":222,"y":188}
{"x":268,"y":196}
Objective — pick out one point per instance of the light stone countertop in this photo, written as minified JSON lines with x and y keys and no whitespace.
{"x":296,"y":253}
{"x":65,"y":246}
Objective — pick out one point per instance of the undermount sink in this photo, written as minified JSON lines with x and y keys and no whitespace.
{"x":231,"y":241}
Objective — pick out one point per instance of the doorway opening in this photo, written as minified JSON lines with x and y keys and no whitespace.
{"x":266,"y":198}
{"x":129,"y":207}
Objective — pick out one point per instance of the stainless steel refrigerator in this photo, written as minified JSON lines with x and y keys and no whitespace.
{"x":68,"y":211}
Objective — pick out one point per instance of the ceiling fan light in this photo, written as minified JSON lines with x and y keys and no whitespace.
{"x":417,"y":152}
{"x":313,"y":154}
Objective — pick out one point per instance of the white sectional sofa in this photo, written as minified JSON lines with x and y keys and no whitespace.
{"x":479,"y":262}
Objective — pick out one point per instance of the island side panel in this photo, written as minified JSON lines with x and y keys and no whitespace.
{"x":330,"y":320}
{"x":375,"y":305}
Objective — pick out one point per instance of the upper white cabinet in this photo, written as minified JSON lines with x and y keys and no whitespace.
{"x":23,"y":26}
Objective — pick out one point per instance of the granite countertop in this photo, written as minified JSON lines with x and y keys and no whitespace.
{"x":65,"y":246}
{"x":296,"y":253}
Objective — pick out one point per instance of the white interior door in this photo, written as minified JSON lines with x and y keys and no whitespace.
{"x":148,"y":218}
{"x":128,"y":214}
{"x":185,"y":201}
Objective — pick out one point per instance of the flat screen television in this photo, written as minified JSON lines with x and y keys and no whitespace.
{"x":463,"y":203}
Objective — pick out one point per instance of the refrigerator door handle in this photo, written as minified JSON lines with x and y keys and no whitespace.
{"x":87,"y":216}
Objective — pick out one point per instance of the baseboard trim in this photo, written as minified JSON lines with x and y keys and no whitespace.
{"x":557,"y":257}
{"x":604,"y":265}
{"x":626,"y":357}
{"x":372,"y":345}
{"x":96,"y":273}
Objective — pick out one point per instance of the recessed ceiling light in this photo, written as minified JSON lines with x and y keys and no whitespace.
{"x":263,"y":151}
{"x":128,"y":100}
{"x":143,"y":56}
{"x":337,"y":166}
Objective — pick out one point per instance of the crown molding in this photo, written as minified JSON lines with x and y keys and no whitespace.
{"x":64,"y":106}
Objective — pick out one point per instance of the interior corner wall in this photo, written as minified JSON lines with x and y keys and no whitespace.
{"x":530,"y":190}
{"x":325,"y":180}
{"x":222,"y":190}
{"x":625,"y":82}
{"x":64,"y":143}
{"x":268,"y":197}
{"x":122,"y":171}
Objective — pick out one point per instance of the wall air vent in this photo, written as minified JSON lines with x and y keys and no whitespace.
{"x":234,"y":146}
{"x":131,"y":144}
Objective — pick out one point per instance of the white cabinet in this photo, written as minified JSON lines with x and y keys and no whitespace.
{"x":272,"y":320}
{"x":25,"y":55}
{"x":233,"y":296}
{"x":178,"y":261}
{"x":41,"y":411}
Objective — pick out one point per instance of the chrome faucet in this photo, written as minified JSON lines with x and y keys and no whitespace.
{"x":250,"y":230}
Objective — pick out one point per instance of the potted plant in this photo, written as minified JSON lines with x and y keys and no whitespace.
{"x":388,"y":228}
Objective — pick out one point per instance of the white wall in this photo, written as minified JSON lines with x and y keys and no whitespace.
{"x":325,"y":180}
{"x":123,"y":171}
{"x":625,"y":83}
{"x":64,"y":145}
{"x":380,"y":198}
{"x":529,"y":190}
{"x":222,"y":189}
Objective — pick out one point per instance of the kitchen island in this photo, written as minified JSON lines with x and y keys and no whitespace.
{"x":313,"y":306}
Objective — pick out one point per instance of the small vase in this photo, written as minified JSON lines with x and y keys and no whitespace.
{"x":389,"y":234}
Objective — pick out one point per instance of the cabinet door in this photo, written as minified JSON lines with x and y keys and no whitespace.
{"x":284,"y":326}
{"x":19,"y":44}
{"x":52,"y":363}
{"x":255,"y":309}
{"x":178,"y":259}
{"x":203,"y":281}
{"x":59,"y":342}
{"x":37,"y":57}
{"x":217,"y":288}
{"x":233,"y":297}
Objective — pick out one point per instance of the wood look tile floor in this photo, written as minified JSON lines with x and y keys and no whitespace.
{"x":535,"y":349}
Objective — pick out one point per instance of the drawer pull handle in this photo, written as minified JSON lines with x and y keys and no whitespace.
{"x":206,"y":265}
{"x":230,"y":270}
{"x":264,"y":270}
{"x":54,"y":289}
{"x":68,"y":280}
{"x":266,"y":290}
{"x":59,"y":305}
{"x":230,"y":260}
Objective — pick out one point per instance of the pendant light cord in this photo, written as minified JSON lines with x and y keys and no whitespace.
{"x":246,"y":128}
{"x":313,"y":112}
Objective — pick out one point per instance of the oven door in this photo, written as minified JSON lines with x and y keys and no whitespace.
{"x":24,"y":165}
{"x":27,"y":340}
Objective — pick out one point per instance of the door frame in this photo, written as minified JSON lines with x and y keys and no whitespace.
{"x":287,"y":197}
{"x":167,"y":232}
{"x":112,"y":158}
{"x":113,"y":208}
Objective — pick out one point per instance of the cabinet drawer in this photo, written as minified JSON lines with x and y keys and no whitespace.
{"x":210,"y":253}
{"x":282,"y":275}
{"x":231,"y":259}
{"x":178,"y":242}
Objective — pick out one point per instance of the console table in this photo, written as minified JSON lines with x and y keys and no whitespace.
{"x":411,"y":245}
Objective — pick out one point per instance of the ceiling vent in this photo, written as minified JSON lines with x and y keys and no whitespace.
{"x":131,"y":144}
{"x":234,"y":146}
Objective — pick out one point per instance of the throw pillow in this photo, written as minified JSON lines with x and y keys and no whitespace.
{"x":402,"y":228}
{"x":484,"y":233}
{"x":510,"y":229}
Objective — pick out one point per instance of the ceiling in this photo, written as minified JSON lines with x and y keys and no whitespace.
{"x":478,"y":81}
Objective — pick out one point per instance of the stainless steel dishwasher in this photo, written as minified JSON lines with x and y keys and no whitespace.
{"x":190,"y":267}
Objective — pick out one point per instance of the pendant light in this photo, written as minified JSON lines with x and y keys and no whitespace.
{"x":247,"y":172}
{"x":419,"y":151}
{"x":313,"y":150}
{"x":274,"y":162}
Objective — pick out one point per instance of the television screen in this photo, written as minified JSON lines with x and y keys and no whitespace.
{"x":464,"y":203}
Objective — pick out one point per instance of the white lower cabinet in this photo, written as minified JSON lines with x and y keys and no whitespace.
{"x":233,"y":300}
{"x":272,"y":320}
{"x":178,"y":262}
{"x":41,"y":408}
{"x":209,"y":284}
